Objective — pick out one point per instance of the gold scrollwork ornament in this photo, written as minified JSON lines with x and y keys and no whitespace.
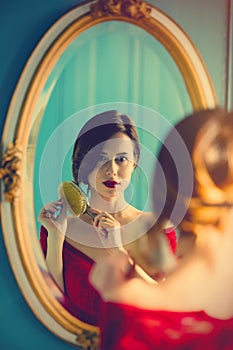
{"x":136,"y":9}
{"x":88,"y":340}
{"x":9,"y":171}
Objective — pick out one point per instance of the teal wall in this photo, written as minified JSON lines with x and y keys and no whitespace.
{"x":22,"y":24}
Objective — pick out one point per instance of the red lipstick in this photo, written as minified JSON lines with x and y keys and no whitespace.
{"x":111,"y":183}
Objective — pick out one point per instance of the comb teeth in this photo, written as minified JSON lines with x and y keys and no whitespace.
{"x":75,"y":199}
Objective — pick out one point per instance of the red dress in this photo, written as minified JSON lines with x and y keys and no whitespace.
{"x":125,"y":327}
{"x":81,"y":299}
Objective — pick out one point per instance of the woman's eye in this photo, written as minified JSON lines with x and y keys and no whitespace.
{"x":102,"y":158}
{"x":121,"y":159}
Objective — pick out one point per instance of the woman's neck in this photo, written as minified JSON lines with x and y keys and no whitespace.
{"x":114,"y":206}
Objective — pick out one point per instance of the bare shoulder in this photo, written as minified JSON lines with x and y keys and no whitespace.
{"x":148,"y":215}
{"x":148,"y":219}
{"x":138,"y":226}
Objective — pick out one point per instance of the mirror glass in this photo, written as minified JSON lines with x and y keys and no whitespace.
{"x":113,"y":65}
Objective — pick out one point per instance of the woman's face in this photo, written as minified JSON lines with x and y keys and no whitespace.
{"x":114,"y":166}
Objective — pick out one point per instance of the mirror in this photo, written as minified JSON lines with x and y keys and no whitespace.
{"x":154,"y":53}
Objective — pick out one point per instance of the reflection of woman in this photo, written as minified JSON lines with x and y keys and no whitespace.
{"x":193,"y":308}
{"x":104,"y":156}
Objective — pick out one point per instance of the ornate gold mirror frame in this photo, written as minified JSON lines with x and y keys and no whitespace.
{"x":19,"y":232}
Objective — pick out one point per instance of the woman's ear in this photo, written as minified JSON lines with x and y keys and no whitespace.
{"x":134,"y":165}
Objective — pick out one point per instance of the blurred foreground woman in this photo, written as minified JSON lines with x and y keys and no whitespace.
{"x":193,"y":307}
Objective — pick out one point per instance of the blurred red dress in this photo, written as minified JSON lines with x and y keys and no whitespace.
{"x":81,"y":299}
{"x":125,"y":327}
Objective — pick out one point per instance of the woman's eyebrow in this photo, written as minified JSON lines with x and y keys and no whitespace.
{"x":117,"y":154}
{"x":122,"y":153}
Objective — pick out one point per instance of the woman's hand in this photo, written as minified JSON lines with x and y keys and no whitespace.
{"x":53,"y":217}
{"x":108,"y":227}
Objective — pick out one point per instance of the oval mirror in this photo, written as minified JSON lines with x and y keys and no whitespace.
{"x":101,"y":55}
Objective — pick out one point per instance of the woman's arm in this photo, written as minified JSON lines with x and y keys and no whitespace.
{"x":182,"y":291}
{"x":54,"y":258}
{"x":56,"y":225}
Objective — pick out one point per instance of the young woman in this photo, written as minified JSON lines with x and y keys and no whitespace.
{"x":105,"y":155}
{"x":193,"y":307}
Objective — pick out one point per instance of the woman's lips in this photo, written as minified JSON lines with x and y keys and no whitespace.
{"x":111,"y":184}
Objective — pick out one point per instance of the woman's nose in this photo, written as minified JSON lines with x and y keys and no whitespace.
{"x":111,"y":167}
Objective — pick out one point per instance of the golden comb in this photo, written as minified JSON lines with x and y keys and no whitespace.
{"x":75,"y":198}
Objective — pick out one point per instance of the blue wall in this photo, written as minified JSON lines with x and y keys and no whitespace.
{"x":22,"y":24}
